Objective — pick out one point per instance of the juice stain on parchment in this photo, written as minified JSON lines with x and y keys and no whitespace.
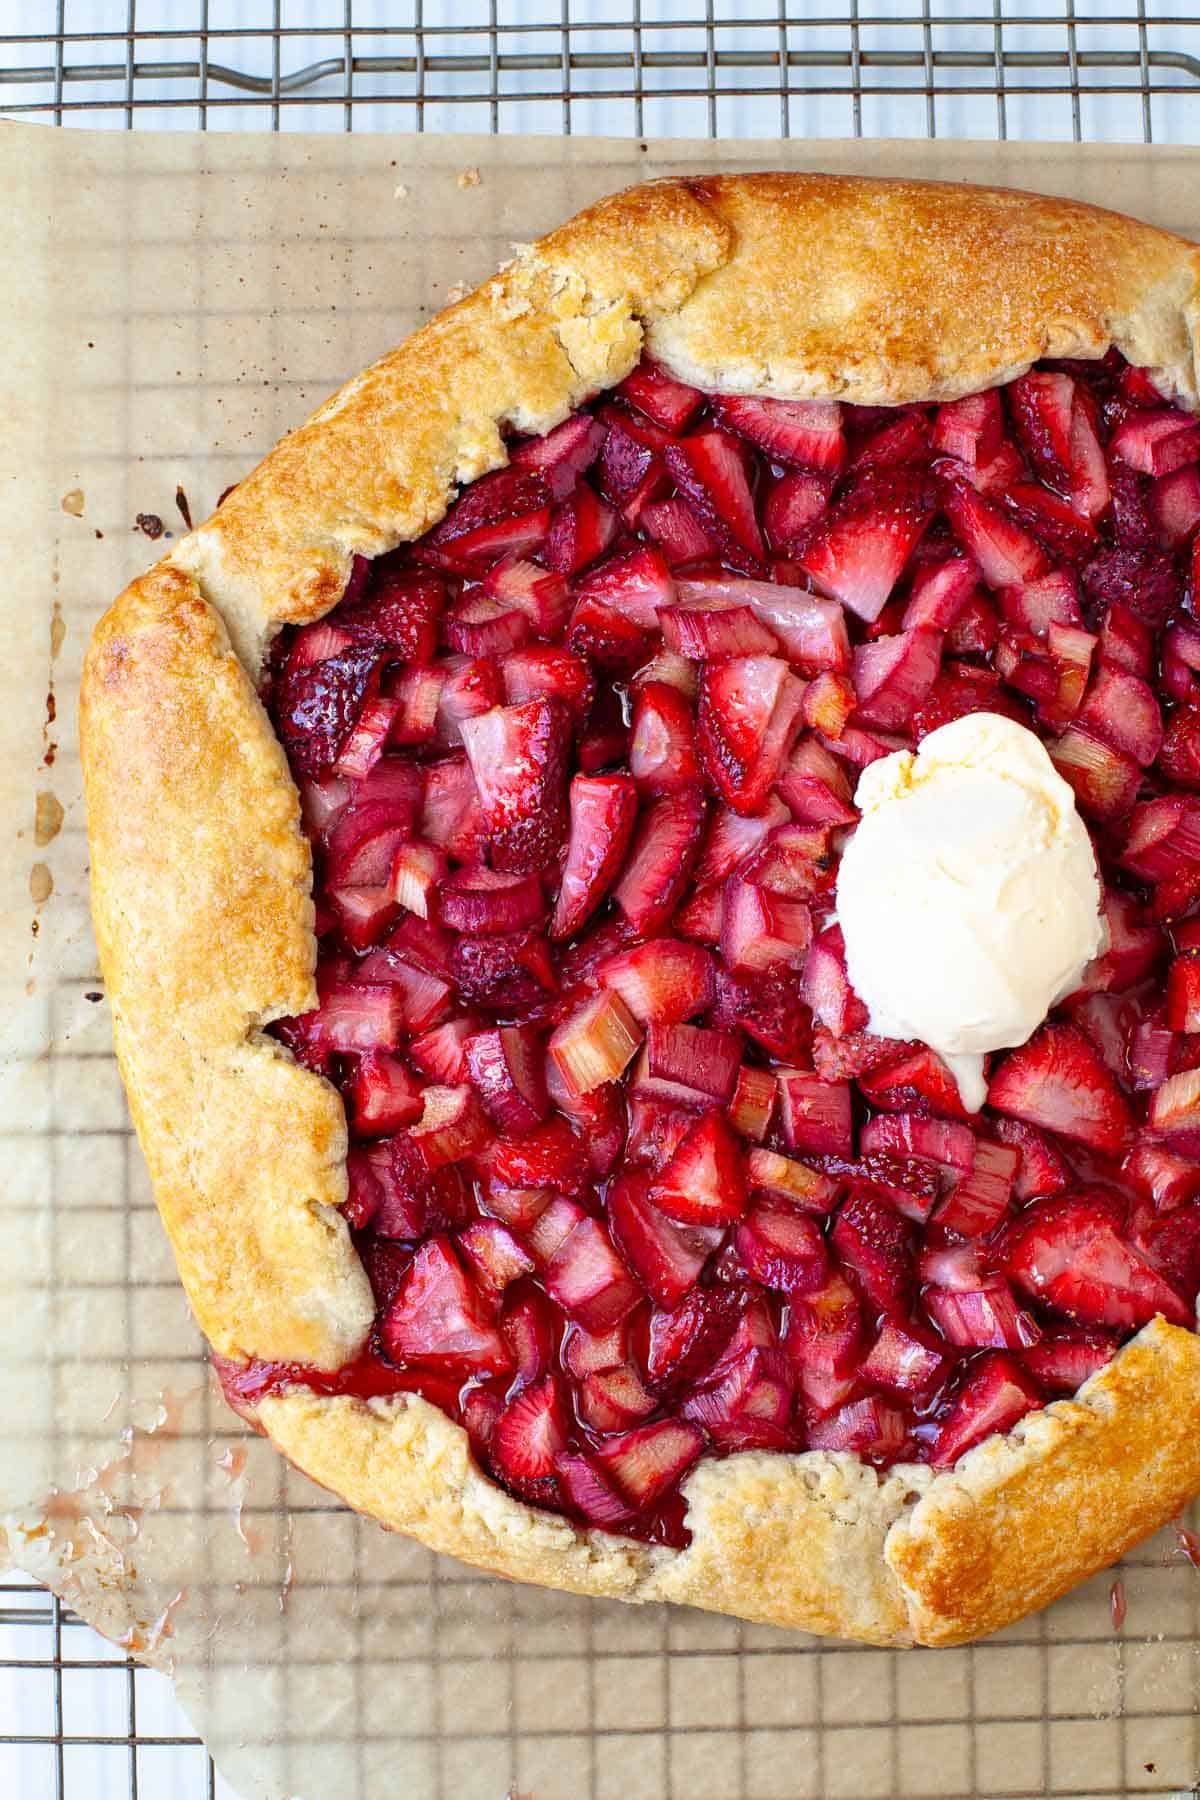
{"x":83,"y":1540}
{"x":48,"y":809}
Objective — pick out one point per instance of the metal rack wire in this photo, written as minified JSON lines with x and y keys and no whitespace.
{"x":735,"y":68}
{"x":1119,"y":69}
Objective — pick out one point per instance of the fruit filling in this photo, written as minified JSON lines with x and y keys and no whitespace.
{"x":633,"y":1181}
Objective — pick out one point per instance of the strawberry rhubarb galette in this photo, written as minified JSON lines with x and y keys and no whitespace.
{"x":647,"y":862}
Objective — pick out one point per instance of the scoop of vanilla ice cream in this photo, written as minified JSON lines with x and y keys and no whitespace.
{"x":968,"y":894}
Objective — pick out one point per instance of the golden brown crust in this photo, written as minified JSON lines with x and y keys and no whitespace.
{"x":201,"y":899}
{"x":887,"y":291}
{"x":803,"y":285}
{"x":1024,"y":1518}
{"x":816,"y":1542}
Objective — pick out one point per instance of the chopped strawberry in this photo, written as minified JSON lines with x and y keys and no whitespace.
{"x":677,"y":531}
{"x":316,"y":706}
{"x":1179,"y":758}
{"x":906,"y":439}
{"x":1121,"y":709}
{"x":711,"y":472}
{"x":500,"y":514}
{"x":918,"y":1079}
{"x":768,"y":1006}
{"x":634,"y":584}
{"x":1042,"y":404}
{"x":815,"y":787}
{"x":1175,"y":1108}
{"x":1156,"y":442}
{"x":562,"y":455}
{"x":399,"y":607}
{"x":583,"y":527}
{"x":748,"y":714}
{"x":551,"y":1156}
{"x":546,"y":671}
{"x":1062,"y":1364}
{"x":665,"y":1257}
{"x":1068,"y":1253}
{"x":996,"y":1393}
{"x":602,"y":813}
{"x":607,"y":637}
{"x":704,"y":1182}
{"x":385,"y":1095}
{"x":791,"y":508}
{"x":1143,"y":580}
{"x":518,"y":758}
{"x":857,"y":553}
{"x":668,"y":402}
{"x":875,"y":1245}
{"x":662,"y":750}
{"x":1006,"y":555}
{"x":493,"y":1256}
{"x":614,"y":1399}
{"x":806,"y":433}
{"x":822,"y":1342}
{"x":1058,"y":1082}
{"x":437,"y":1317}
{"x":510,"y":973}
{"x":659,"y":864}
{"x":530,"y":1433}
{"x":782,"y":1246}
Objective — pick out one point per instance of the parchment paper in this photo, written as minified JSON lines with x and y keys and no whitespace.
{"x":169,"y":305}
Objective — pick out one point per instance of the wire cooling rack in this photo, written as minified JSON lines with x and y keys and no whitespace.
{"x":79,"y":1721}
{"x":1110,"y":69}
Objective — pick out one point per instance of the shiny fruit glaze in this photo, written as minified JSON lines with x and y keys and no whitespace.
{"x":632,"y":1182}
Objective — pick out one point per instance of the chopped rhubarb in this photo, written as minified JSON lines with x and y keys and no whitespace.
{"x":596,"y":1044}
{"x":996,"y":1393}
{"x":662,"y":982}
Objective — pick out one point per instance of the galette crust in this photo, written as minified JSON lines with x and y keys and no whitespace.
{"x":819,"y":1542}
{"x":793,"y":285}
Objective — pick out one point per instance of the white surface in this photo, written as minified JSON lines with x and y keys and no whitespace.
{"x":96,"y":1700}
{"x":531,"y":98}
